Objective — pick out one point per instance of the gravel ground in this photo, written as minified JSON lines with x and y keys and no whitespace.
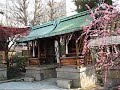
{"x":48,"y":84}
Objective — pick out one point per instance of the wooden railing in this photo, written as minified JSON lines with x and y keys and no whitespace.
{"x":40,"y":61}
{"x":73,"y":61}
{"x":34,"y":61}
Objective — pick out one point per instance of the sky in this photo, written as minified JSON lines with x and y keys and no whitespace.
{"x":68,"y":2}
{"x":118,"y":3}
{"x":70,"y":7}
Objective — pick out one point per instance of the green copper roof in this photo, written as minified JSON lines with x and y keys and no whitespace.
{"x":59,"y":27}
{"x":71,"y":24}
{"x":39,"y":30}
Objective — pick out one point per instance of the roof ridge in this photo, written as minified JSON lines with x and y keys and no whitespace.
{"x":44,"y":25}
{"x":57,"y":21}
{"x":75,"y":16}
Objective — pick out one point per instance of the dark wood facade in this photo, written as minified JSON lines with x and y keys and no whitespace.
{"x":70,"y":46}
{"x":72,"y":49}
{"x":41,"y":51}
{"x":72,"y":55}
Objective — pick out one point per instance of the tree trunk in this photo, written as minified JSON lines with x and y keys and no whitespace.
{"x":7,"y":59}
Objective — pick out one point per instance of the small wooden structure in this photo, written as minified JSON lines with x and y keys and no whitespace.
{"x":59,"y":42}
{"x":41,"y":52}
{"x":72,"y":55}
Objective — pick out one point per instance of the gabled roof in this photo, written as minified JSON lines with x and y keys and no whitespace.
{"x":39,"y":30}
{"x":71,"y":24}
{"x":59,"y":26}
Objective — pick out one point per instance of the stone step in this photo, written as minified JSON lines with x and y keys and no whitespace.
{"x":28,"y":79}
{"x":64,"y":83}
{"x":11,"y":80}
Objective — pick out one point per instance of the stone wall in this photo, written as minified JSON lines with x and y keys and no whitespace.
{"x":3,"y":74}
{"x":81,"y":77}
{"x":87,"y":77}
{"x":42,"y":72}
{"x":113,"y":78}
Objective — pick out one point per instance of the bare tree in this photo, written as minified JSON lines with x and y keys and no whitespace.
{"x":55,"y":9}
{"x":19,"y":11}
{"x":51,"y":11}
{"x":23,"y":12}
{"x":38,"y":12}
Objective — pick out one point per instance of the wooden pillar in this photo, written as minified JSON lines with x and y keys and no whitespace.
{"x":28,"y":50}
{"x":33,"y":51}
{"x":45,"y":51}
{"x":38,"y":44}
{"x":77,"y":50}
{"x":66,"y":47}
{"x":57,"y":52}
{"x":77,"y":54}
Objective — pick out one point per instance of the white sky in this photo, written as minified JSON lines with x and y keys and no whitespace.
{"x":70,"y":7}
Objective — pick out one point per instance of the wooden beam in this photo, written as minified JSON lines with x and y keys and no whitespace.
{"x":79,"y":42}
{"x":44,"y":49}
{"x":27,"y":50}
{"x":59,"y":51}
{"x":77,"y":50}
{"x":32,"y":49}
{"x":38,"y":44}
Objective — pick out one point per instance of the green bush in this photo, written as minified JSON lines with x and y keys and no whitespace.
{"x":13,"y":72}
{"x":18,"y":66}
{"x":20,"y":61}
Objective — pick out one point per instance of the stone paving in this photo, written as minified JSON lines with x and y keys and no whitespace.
{"x":49,"y":84}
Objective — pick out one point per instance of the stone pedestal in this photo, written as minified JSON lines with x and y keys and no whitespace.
{"x":3,"y":73}
{"x":42,"y":72}
{"x":113,"y":78}
{"x":63,"y":83}
{"x":81,"y":77}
